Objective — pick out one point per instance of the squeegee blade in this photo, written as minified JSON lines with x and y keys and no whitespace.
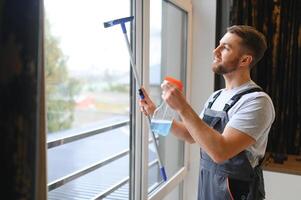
{"x":118,"y":21}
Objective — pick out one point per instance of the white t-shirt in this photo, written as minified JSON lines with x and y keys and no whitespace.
{"x":253,"y":114}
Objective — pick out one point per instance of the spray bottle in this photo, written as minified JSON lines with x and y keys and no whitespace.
{"x":164,"y":115}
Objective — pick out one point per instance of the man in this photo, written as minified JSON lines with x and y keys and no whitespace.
{"x":233,"y":128}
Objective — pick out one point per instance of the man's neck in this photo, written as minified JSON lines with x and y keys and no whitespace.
{"x":236,"y":80}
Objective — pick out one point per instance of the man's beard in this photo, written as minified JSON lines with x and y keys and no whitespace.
{"x":229,"y":67}
{"x":221,"y":69}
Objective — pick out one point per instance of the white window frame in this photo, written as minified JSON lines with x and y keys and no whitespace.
{"x":142,"y":32}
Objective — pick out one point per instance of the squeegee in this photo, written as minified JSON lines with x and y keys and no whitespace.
{"x":122,"y":22}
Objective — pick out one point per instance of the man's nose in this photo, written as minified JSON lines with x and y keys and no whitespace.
{"x":216,"y":50}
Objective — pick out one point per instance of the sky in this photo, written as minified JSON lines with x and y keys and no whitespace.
{"x":78,"y":24}
{"x":88,"y":45}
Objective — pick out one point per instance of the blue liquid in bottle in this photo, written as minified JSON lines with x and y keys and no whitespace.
{"x":161,"y":127}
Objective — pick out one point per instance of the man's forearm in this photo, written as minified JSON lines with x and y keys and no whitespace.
{"x":209,"y":139}
{"x":180,"y":131}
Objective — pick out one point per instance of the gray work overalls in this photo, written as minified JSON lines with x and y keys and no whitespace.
{"x":234,"y":178}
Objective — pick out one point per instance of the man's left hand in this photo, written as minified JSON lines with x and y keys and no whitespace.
{"x":173,"y":96}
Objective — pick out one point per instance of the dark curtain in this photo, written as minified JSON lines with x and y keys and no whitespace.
{"x":20,"y":74}
{"x":279,"y":72}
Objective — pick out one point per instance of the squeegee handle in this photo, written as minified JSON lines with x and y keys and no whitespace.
{"x":141,"y":93}
{"x":163,"y":174}
{"x":122,"y":22}
{"x":162,"y":169}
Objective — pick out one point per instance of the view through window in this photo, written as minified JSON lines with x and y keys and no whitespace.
{"x":87,"y":98}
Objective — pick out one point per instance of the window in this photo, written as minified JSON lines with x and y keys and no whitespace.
{"x":168,"y":57}
{"x":87,"y":76}
{"x":93,"y":152}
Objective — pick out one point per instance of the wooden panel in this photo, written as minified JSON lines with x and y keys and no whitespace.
{"x":291,"y":166}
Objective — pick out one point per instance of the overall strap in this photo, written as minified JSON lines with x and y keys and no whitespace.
{"x":214,"y":98}
{"x":236,"y":97}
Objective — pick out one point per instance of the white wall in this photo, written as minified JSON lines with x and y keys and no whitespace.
{"x":280,"y":186}
{"x":202,"y":78}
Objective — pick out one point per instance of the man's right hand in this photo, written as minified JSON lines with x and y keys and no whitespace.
{"x":147,"y":106}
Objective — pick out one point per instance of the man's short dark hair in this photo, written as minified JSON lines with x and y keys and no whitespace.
{"x":252,"y":40}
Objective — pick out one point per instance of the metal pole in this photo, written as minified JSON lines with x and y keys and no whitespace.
{"x":122,"y":22}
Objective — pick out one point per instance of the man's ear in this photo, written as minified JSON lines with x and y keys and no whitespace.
{"x":246,"y":60}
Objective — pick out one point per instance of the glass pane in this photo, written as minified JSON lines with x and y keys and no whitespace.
{"x":85,"y":80}
{"x":168,"y":35}
{"x":87,"y":86}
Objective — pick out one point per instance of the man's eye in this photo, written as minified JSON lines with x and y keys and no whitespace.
{"x":224,"y":47}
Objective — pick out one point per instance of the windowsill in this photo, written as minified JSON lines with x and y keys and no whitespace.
{"x":290,"y":166}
